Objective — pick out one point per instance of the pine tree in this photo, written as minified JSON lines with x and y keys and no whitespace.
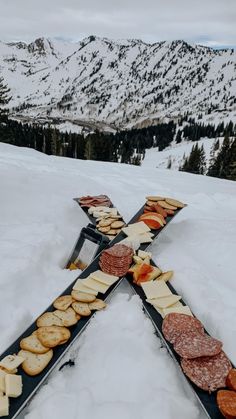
{"x":220,"y":166}
{"x":4,"y":100}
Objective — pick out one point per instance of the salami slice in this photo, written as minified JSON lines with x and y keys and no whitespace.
{"x":231,"y":379}
{"x":95,"y":201}
{"x":209,"y":372}
{"x":118,"y":250}
{"x":194,"y":344}
{"x":175,"y":323}
{"x":226,"y":401}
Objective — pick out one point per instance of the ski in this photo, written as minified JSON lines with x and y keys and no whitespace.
{"x":32,"y":384}
{"x":206,"y":400}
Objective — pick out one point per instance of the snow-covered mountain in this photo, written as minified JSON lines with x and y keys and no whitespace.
{"x":119,"y":83}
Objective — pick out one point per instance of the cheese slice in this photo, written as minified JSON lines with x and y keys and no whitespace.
{"x":4,"y":406}
{"x":165,"y":302}
{"x":181,"y":310}
{"x":10,"y":362}
{"x":95,"y":285}
{"x":13,"y":385}
{"x":145,"y":238}
{"x":160,"y":311}
{"x":104,"y":278}
{"x":136,"y":228}
{"x":155,"y":289}
{"x":144,"y":255}
{"x":2,"y":380}
{"x":79,"y":286}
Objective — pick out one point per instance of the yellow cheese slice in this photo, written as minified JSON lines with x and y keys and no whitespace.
{"x":10,"y":362}
{"x":104,"y":278}
{"x":13,"y":385}
{"x":181,"y":310}
{"x":136,"y":228}
{"x":95,"y":285}
{"x":155,"y":289}
{"x":4,"y":406}
{"x":165,"y":302}
{"x":79,"y":286}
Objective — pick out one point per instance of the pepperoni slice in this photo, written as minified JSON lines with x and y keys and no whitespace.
{"x":226,"y":401}
{"x":208,"y":372}
{"x":194,"y":344}
{"x":175,"y":323}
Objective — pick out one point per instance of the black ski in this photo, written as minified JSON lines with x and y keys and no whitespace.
{"x":32,"y":384}
{"x":207,"y":401}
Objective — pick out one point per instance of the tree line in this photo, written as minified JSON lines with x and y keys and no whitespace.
{"x":222,"y":160}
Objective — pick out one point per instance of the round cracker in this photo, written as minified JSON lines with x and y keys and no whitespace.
{"x":112,"y":232}
{"x":104,"y":229}
{"x":117,"y":224}
{"x":81,"y":308}
{"x":83,"y":297}
{"x":97,"y":304}
{"x":155,"y":198}
{"x":63,"y":302}
{"x":49,"y":336}
{"x":105,"y":223}
{"x":165,"y":205}
{"x":175,"y":203}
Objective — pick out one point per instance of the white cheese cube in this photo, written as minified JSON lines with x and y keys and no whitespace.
{"x":4,"y":406}
{"x":10,"y":362}
{"x":2,"y":380}
{"x":13,"y":385}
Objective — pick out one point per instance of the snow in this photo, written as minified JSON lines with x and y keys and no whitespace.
{"x":121,"y":370}
{"x":175,"y":152}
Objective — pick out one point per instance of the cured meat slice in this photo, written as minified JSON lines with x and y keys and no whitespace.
{"x":226,"y":401}
{"x":118,"y":250}
{"x":208,"y":372}
{"x":231,"y":379}
{"x":113,"y":270}
{"x":95,"y":201}
{"x":195,"y":344}
{"x":175,"y":323}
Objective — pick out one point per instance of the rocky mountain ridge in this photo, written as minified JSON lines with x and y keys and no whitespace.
{"x":118,"y":84}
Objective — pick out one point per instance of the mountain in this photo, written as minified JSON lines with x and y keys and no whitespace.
{"x":118,"y":84}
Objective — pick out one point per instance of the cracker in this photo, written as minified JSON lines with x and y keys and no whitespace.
{"x":175,"y":203}
{"x":32,"y":343}
{"x":97,"y":304}
{"x":81,"y":308}
{"x":155,"y":198}
{"x":83,"y":297}
{"x":34,"y":364}
{"x":117,"y":224}
{"x":48,"y":319}
{"x":112,"y":232}
{"x":68,"y":317}
{"x":49,"y":336}
{"x":104,"y":229}
{"x":105,"y":223}
{"x":63,"y":302}
{"x":165,"y":205}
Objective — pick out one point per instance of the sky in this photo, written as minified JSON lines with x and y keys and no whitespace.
{"x":206,"y":22}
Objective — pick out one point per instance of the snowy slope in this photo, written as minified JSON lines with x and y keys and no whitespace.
{"x":175,"y":153}
{"x":120,"y":369}
{"x":119,"y":84}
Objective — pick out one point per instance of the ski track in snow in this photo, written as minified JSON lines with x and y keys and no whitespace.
{"x":120,"y":371}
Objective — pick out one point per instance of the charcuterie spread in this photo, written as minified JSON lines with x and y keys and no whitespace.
{"x":201,"y":356}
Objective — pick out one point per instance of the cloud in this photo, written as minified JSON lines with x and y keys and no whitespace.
{"x":210,"y":22}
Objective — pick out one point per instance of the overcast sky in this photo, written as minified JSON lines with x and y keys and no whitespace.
{"x":208,"y":22}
